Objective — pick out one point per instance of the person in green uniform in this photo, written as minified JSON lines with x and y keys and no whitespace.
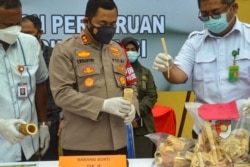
{"x":147,"y":97}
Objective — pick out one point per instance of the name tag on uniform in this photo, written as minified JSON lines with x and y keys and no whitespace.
{"x":22,"y":90}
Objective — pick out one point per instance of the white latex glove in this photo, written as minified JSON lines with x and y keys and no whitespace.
{"x":9,"y":131}
{"x":44,"y":137}
{"x":246,"y":107}
{"x":116,"y":106}
{"x":131,"y":116}
{"x":162,"y":62}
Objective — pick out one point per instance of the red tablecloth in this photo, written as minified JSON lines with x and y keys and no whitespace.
{"x":165,"y":120}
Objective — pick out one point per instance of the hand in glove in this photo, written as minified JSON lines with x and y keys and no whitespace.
{"x":9,"y":131}
{"x":44,"y":137}
{"x":131,"y":116}
{"x":162,"y":62}
{"x":116,"y":106}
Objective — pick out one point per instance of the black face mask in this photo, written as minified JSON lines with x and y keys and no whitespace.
{"x":102,"y":34}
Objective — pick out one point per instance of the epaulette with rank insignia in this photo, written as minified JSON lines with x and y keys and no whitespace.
{"x":84,"y":39}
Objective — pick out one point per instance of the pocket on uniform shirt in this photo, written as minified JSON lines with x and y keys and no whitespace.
{"x":243,"y":61}
{"x":204,"y":67}
{"x":120,"y":74}
{"x":88,"y":76}
{"x":144,"y":80}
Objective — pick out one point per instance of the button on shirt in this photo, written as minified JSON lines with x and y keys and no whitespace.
{"x":207,"y":58}
{"x":24,"y":52}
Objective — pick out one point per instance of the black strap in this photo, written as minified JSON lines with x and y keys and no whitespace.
{"x":184,"y":113}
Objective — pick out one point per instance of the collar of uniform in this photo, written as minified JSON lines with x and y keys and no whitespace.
{"x":236,"y":27}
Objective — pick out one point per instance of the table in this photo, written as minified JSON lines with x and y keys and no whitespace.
{"x":140,"y":162}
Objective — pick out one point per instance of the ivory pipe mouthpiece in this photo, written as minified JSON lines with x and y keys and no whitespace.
{"x":28,"y":129}
{"x":128,"y":94}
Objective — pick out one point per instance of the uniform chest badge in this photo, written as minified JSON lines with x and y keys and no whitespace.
{"x":122,"y":80}
{"x":89,"y":82}
{"x":88,"y":70}
{"x":120,"y":68}
{"x":83,"y":54}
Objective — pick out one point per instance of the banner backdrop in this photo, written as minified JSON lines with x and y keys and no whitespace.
{"x":146,"y":20}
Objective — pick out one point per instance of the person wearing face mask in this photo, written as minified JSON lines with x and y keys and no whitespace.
{"x":217,"y":58}
{"x":31,"y":24}
{"x":88,"y":73}
{"x":23,"y":92}
{"x":147,"y":97}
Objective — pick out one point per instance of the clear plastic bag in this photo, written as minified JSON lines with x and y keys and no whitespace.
{"x":192,"y":109}
{"x":212,"y":150}
{"x":171,"y":151}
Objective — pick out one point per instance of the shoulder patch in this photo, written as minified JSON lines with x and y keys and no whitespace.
{"x":84,"y":39}
{"x":115,"y":51}
{"x":194,"y":33}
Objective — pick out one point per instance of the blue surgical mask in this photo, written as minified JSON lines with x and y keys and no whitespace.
{"x":217,"y":25}
{"x":132,"y":56}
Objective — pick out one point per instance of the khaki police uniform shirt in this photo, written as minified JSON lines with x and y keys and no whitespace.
{"x":82,"y":76}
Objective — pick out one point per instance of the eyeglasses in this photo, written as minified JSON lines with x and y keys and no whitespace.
{"x":214,"y":16}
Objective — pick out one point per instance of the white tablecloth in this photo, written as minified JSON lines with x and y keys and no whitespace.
{"x":132,"y":163}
